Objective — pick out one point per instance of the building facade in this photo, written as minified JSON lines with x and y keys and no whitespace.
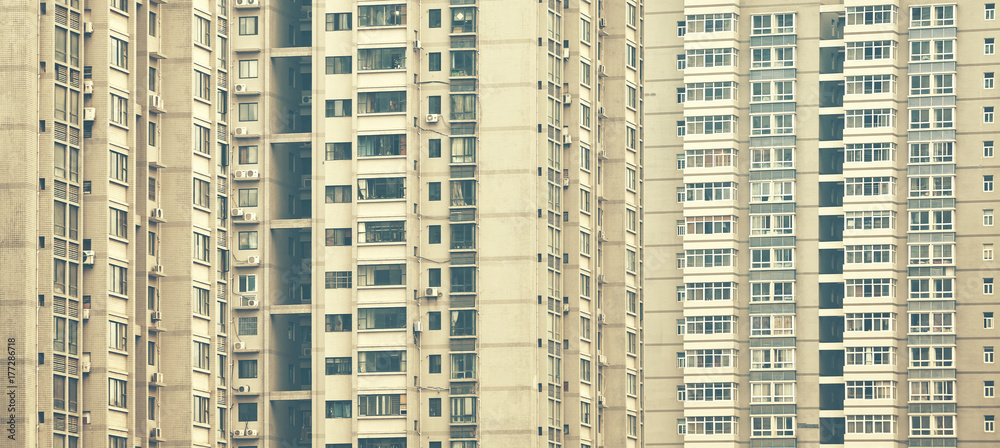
{"x":117,"y":209}
{"x":444,"y":213}
{"x":347,"y":224}
{"x":825,"y":205}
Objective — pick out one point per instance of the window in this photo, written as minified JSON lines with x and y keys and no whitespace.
{"x":247,"y":412}
{"x":932,"y":322}
{"x":991,"y":11}
{"x":338,"y":280}
{"x":870,"y":84}
{"x":381,"y":102}
{"x":119,"y":110}
{"x":772,"y":57}
{"x":201,"y":302}
{"x":924,"y":16}
{"x":338,"y":323}
{"x":710,"y":57}
{"x":117,"y":393}
{"x":871,"y":15}
{"x":202,"y":353}
{"x":989,"y":46}
{"x":709,"y":23}
{"x":119,"y":280}
{"x":119,"y":53}
{"x":248,"y":240}
{"x":710,"y":425}
{"x":869,"y":186}
{"x":120,"y":5}
{"x":338,"y":409}
{"x":202,"y":31}
{"x":382,"y":275}
{"x":936,"y":152}
{"x":247,"y":368}
{"x":434,"y":18}
{"x":989,"y":424}
{"x":988,"y":115}
{"x":703,"y":325}
{"x":381,"y":405}
{"x":335,"y":194}
{"x":776,"y":124}
{"x":871,"y":50}
{"x":772,"y":191}
{"x":380,"y":59}
{"x":772,"y":325}
{"x":987,"y":252}
{"x":338,"y":366}
{"x":773,"y":24}
{"x":337,"y":65}
{"x":869,"y":152}
{"x":928,"y":425}
{"x":381,"y":188}
{"x":870,"y":356}
{"x":870,"y":390}
{"x":989,"y":389}
{"x":248,"y":111}
{"x":988,"y":354}
{"x":931,"y":186}
{"x":381,"y":15}
{"x":769,"y":426}
{"x":381,"y":318}
{"x":988,"y":183}
{"x":937,"y":50}
{"x":381,"y":145}
{"x":381,"y":361}
{"x":381,"y":232}
{"x":870,"y":118}
{"x":248,"y":283}
{"x":118,"y":219}
{"x":338,"y":108}
{"x":867,"y":288}
{"x":337,"y":21}
{"x":247,"y":326}
{"x":202,"y":247}
{"x":932,"y":390}
{"x":988,"y":320}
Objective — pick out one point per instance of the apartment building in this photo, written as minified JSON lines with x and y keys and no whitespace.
{"x":426,"y":231}
{"x":116,"y":214}
{"x":437,"y":207}
{"x":825,"y":199}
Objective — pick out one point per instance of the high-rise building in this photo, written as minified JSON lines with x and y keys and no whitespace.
{"x":434,"y":235}
{"x":441,"y":203}
{"x":115,"y":253}
{"x":824,"y":198}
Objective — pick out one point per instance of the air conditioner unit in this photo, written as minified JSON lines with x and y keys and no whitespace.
{"x":602,"y":360}
{"x":602,"y":318}
{"x":600,"y":400}
{"x":156,"y":433}
{"x":238,"y":432}
{"x":432,"y":293}
{"x":307,"y":98}
{"x":88,"y":257}
{"x":309,"y":14}
{"x":156,"y":213}
{"x":253,"y":174}
{"x":601,"y":71}
{"x":306,"y":350}
{"x":565,"y":181}
{"x":253,"y":259}
{"x":433,"y":118}
{"x":158,"y":269}
{"x":86,"y":418}
{"x":602,"y":236}
{"x":240,"y":345}
{"x":418,"y":327}
{"x":85,"y":313}
{"x":600,"y":278}
{"x":239,"y":174}
{"x":88,"y":27}
{"x":240,"y":131}
{"x":246,"y":2}
{"x":237,"y":212}
{"x":241,"y":87}
{"x":567,"y":98}
{"x":567,"y":139}
{"x":253,"y":303}
{"x":155,"y":101}
{"x":243,"y":389}
{"x":565,"y":53}
{"x":252,"y":432}
{"x":565,"y":308}
{"x":157,"y":378}
{"x":155,"y":316}
{"x":602,"y":154}
{"x":89,"y":114}
{"x":250,"y":217}
{"x":416,"y":45}
{"x":88,"y":86}
{"x":307,"y":182}
{"x":601,"y":112}
{"x":85,"y":366}
{"x":603,"y":22}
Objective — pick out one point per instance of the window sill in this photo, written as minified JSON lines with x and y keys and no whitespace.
{"x":378,"y":287}
{"x":118,"y":182}
{"x":202,"y":262}
{"x":196,"y":315}
{"x":362,"y":201}
{"x":118,"y":125}
{"x":381,"y":70}
{"x":395,"y":156}
{"x":381,"y":330}
{"x":384,"y":243}
{"x":381,"y":373}
{"x":118,"y":239}
{"x":202,"y":154}
{"x":382,"y":114}
{"x":380,"y":27}
{"x":202,"y":100}
{"x":203,"y":46}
